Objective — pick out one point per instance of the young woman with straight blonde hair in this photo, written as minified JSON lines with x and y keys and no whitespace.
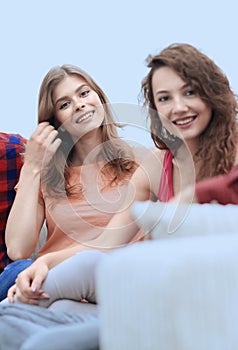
{"x":76,"y":169}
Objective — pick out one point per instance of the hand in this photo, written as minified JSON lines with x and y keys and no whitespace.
{"x":41,"y":146}
{"x":27,"y":288}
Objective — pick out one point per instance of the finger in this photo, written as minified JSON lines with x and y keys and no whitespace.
{"x":11,"y":293}
{"x":50,"y":136}
{"x":26,"y":300}
{"x":47,"y":133}
{"x":40,"y":295}
{"x":35,"y":301}
{"x":26,"y":295}
{"x":24,"y":290}
{"x":40,"y":127}
{"x":23,"y":281}
{"x":39,"y":139}
{"x":37,"y":283}
{"x":31,"y":298}
{"x":42,"y":132}
{"x":51,"y":150}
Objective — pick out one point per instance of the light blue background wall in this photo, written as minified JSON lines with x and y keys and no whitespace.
{"x":108,"y":39}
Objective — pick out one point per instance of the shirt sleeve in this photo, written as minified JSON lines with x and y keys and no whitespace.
{"x":222,"y":189}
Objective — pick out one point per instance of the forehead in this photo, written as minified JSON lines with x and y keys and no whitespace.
{"x":166,"y":78}
{"x":68,"y":86}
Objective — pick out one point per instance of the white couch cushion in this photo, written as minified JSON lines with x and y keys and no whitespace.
{"x":165,"y":220}
{"x":178,"y":294}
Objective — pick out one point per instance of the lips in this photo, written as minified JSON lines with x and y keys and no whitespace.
{"x":84,"y":116}
{"x":184,"y":121}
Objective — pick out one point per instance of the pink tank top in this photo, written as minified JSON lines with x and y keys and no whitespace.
{"x":165,"y":192}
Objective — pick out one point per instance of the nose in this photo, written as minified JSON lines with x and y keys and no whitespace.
{"x":79,"y":105}
{"x":179,"y":105}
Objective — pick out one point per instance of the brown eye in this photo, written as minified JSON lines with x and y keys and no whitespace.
{"x":84,"y":93}
{"x":163,"y":99}
{"x":64,"y":105}
{"x":190,"y":92}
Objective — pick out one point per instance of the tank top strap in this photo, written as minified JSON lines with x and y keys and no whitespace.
{"x":165,"y":192}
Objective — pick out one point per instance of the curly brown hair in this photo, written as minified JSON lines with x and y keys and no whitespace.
{"x":218,"y":143}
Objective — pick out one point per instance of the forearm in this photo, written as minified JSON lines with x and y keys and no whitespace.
{"x":112,"y":237}
{"x":54,"y":258}
{"x":121,"y":230}
{"x":26,"y":217}
{"x":186,"y":196}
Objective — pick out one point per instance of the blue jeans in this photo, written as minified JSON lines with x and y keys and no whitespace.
{"x":10,"y":273}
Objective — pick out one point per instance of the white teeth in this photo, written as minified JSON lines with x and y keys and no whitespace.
{"x":86,"y":116}
{"x":183,"y":122}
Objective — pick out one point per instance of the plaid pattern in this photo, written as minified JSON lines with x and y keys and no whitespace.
{"x":11,"y":147}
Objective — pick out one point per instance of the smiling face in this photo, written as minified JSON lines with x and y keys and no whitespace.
{"x":77,"y":106}
{"x":180,"y":108}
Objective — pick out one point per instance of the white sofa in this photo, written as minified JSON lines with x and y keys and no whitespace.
{"x":173,"y":294}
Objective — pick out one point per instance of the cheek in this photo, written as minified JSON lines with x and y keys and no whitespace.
{"x":101,"y":112}
{"x":201,"y":106}
{"x":59,"y":118}
{"x":62,"y":117}
{"x":98,"y":104}
{"x":207,"y":112}
{"x":162,"y":111}
{"x":208,"y":118}
{"x":94,"y":98}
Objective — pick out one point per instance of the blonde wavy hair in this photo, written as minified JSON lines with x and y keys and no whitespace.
{"x":117,"y":154}
{"x":218,"y":143}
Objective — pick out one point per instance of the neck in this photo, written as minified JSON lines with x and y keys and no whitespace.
{"x":87,"y":148}
{"x":192,"y":146}
{"x":185,"y":166}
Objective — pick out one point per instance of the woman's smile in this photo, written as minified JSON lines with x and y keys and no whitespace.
{"x":184,"y":122}
{"x":84,"y":117}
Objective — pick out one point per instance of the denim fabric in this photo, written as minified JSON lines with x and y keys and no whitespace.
{"x":9,"y":275}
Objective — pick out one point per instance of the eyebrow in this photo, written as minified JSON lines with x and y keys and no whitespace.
{"x":65,"y":97}
{"x":166,"y":91}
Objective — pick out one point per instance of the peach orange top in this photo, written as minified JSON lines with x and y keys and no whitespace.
{"x":83,"y":216}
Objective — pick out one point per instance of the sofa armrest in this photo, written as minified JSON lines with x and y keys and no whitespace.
{"x":178,"y":294}
{"x":166,"y":220}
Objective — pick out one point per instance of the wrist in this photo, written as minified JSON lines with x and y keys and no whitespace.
{"x":43,"y":260}
{"x":29,"y":169}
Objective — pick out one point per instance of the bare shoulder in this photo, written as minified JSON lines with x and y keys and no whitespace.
{"x":141,"y":153}
{"x":153,"y":159}
{"x":147,"y":176}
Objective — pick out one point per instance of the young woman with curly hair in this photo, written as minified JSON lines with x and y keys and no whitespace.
{"x":199,"y":80}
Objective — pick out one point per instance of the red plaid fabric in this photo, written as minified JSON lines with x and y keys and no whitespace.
{"x":11,"y":148}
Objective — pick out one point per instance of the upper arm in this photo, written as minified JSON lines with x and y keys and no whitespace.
{"x":122,"y":228}
{"x":147,"y":177}
{"x":40,"y":215}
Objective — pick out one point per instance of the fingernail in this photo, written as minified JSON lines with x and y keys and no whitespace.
{"x":45,"y":296}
